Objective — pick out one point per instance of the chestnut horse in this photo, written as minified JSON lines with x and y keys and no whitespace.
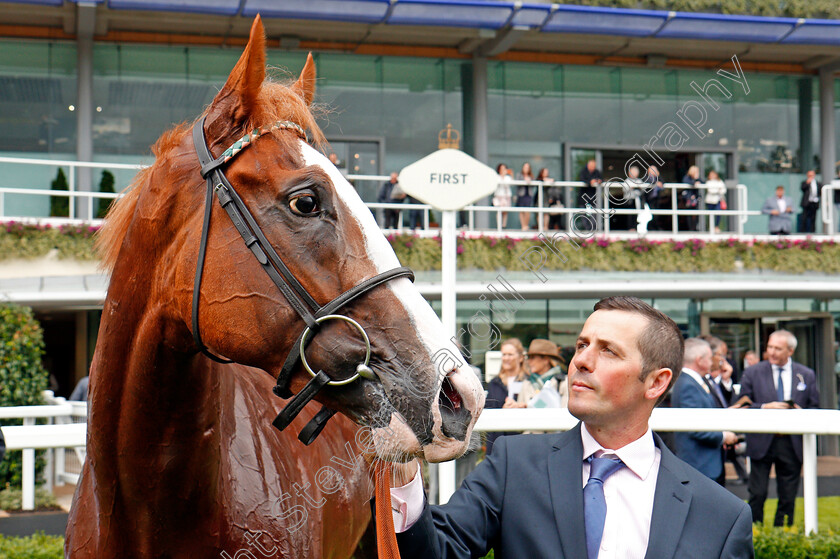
{"x":182,"y":459}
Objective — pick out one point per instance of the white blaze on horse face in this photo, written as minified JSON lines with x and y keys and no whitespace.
{"x":426,"y":322}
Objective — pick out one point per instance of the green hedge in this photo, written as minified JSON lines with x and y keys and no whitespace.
{"x":22,"y":375}
{"x":502,"y":253}
{"x":37,"y":546}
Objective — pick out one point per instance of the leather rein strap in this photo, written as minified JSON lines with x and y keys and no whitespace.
{"x":294,"y":292}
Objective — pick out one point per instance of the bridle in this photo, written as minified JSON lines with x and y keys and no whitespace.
{"x":301,"y":301}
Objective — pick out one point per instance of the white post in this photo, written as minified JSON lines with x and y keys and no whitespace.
{"x":28,"y":474}
{"x":809,"y":471}
{"x":448,"y":264}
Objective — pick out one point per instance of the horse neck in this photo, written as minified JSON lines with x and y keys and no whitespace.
{"x":154,"y":410}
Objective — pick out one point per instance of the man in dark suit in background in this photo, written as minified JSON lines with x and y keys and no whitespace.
{"x":778,"y":383}
{"x":810,"y":202}
{"x":608,"y":486}
{"x":701,"y":449}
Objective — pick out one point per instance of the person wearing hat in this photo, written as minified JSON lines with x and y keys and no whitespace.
{"x":544,"y":362}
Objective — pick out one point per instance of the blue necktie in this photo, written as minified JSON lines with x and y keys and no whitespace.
{"x":594,"y":504}
{"x":780,"y":387}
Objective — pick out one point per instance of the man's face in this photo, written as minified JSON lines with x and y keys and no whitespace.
{"x":703,"y":364}
{"x":604,"y":386}
{"x":811,"y":175}
{"x":780,"y":192}
{"x":590,"y":165}
{"x":778,"y":351}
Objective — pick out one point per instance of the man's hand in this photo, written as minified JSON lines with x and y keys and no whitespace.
{"x":401,"y":474}
{"x":774,"y":212}
{"x":775,"y":406}
{"x":729,"y":438}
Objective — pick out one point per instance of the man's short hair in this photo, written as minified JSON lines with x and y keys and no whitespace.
{"x":660,"y":342}
{"x":694,"y":348}
{"x":714,"y":341}
{"x":789,"y":337}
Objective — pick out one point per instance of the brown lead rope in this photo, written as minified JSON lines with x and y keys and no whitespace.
{"x":386,"y":538}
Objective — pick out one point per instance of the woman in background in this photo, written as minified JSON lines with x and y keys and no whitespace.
{"x":502,"y":197}
{"x":504,"y":387}
{"x":715,"y":195}
{"x":523,"y":195}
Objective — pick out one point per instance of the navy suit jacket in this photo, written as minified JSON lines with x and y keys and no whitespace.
{"x":526,"y":500}
{"x":701,"y":449}
{"x":757,"y":383}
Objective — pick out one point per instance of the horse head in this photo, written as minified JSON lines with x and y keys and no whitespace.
{"x":420,"y":397}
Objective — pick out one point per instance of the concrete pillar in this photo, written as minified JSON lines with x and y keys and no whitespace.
{"x":806,"y":143}
{"x":85,"y":20}
{"x":828,"y":154}
{"x":479,"y":126}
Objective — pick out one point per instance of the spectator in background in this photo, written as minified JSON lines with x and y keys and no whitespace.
{"x":504,"y":388}
{"x":552,"y":198}
{"x":715,"y":195}
{"x":80,"y":392}
{"x":544,"y":360}
{"x":750,"y":359}
{"x":415,"y":215}
{"x":810,"y":202}
{"x":503,"y":197}
{"x":780,"y":384}
{"x":701,"y":449}
{"x":691,"y":196}
{"x":524,"y":199}
{"x":391,"y":193}
{"x":591,"y":178}
{"x":654,"y":188}
{"x":780,"y":209}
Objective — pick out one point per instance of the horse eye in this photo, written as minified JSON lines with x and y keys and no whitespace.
{"x":306,"y":205}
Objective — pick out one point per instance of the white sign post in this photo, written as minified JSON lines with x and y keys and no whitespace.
{"x":448,"y":180}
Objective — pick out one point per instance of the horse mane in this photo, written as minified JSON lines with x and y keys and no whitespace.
{"x":276,"y":101}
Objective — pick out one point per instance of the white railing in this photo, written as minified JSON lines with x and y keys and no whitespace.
{"x":72,"y":193}
{"x":66,"y":427}
{"x":808,"y":423}
{"x":740,"y":215}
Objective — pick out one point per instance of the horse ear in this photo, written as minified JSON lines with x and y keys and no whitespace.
{"x":243,"y":84}
{"x":305,"y":84}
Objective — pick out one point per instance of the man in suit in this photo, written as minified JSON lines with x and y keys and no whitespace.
{"x":780,"y":209}
{"x":810,"y":201}
{"x":701,"y":449}
{"x":778,"y":383}
{"x":608,"y":487}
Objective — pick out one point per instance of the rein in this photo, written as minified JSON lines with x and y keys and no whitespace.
{"x":295,"y":293}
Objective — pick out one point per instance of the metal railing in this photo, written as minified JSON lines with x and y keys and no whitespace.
{"x":738,"y":216}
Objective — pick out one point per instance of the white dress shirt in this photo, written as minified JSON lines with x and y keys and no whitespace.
{"x":787,"y":377}
{"x":780,"y":202}
{"x":628,"y":492}
{"x":629,"y":495}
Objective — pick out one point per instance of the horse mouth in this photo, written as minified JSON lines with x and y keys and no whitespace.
{"x":455,"y":417}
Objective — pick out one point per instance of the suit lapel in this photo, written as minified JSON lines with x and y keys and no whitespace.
{"x":671,"y":502}
{"x":566,"y":487}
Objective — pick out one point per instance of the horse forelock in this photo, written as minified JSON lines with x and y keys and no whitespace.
{"x":276,"y":101}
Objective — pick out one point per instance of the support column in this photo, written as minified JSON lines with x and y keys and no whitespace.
{"x":828,"y":154}
{"x":85,"y":20}
{"x":480,"y":127}
{"x":806,"y":143}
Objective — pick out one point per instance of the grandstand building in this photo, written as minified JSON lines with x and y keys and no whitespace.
{"x":754,"y":98}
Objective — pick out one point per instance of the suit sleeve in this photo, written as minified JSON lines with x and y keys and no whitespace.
{"x":468,"y":525}
{"x":813,"y":394}
{"x":739,"y":542}
{"x":694,"y":399}
{"x":768,"y":207}
{"x":747,"y":388}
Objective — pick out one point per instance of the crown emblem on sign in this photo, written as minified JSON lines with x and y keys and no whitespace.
{"x":449,"y":138}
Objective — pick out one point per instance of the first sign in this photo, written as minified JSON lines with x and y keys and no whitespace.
{"x":448,"y":179}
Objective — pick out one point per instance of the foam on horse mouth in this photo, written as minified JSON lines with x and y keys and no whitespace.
{"x":455,"y":418}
